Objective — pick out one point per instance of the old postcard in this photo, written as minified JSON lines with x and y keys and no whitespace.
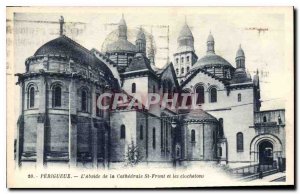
{"x":150,"y":97}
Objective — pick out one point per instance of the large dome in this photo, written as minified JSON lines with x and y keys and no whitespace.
{"x":210,"y":60}
{"x":121,"y":46}
{"x":65,"y":46}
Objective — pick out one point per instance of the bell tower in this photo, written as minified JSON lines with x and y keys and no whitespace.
{"x":185,"y":56}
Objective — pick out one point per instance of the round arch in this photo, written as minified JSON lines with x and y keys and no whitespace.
{"x":275,"y":141}
{"x":263,"y":138}
{"x":200,"y":84}
{"x":58,"y":83}
{"x":31,"y":84}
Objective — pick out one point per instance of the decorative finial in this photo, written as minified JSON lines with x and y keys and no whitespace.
{"x":240,"y":46}
{"x":61,"y":25}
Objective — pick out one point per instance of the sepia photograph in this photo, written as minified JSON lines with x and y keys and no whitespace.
{"x":149,"y":97}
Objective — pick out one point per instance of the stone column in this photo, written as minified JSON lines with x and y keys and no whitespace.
{"x":106,"y":143}
{"x":40,"y":142}
{"x":94,"y":126}
{"x":41,"y":123}
{"x":73,"y":123}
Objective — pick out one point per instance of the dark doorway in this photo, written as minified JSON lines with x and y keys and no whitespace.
{"x":265,"y":153}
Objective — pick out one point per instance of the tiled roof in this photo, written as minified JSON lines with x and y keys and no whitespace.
{"x":240,"y":76}
{"x":210,"y":59}
{"x":65,"y":46}
{"x":121,"y":45}
{"x":139,"y":62}
{"x":199,"y":115}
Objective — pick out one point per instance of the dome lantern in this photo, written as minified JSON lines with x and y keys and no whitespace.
{"x":122,"y":29}
{"x":240,"y":58}
{"x":210,"y":44}
{"x":141,"y":41}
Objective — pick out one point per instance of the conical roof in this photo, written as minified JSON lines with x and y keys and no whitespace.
{"x":185,"y":40}
{"x":185,"y":32}
{"x":210,"y":38}
{"x":139,"y":62}
{"x":122,"y":22}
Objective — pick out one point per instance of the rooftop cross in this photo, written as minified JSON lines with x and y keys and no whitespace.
{"x":61,"y":25}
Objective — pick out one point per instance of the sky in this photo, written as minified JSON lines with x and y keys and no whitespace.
{"x":268,"y":51}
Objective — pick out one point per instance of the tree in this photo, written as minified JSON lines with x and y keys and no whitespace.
{"x":133,"y":155}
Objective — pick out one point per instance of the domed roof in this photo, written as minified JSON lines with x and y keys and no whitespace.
{"x":240,"y":52}
{"x":240,"y":76}
{"x":141,"y":34}
{"x":210,"y":60}
{"x":121,"y":45}
{"x":65,"y":46}
{"x":199,"y":115}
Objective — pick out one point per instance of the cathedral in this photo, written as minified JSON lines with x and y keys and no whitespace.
{"x":60,"y":120}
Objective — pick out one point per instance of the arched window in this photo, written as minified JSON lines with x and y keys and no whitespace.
{"x":153,"y":137}
{"x":177,"y":60}
{"x":182,"y":70}
{"x":187,"y":69}
{"x":177,"y":71}
{"x":188,"y":58}
{"x":239,"y":142}
{"x":213,"y":95}
{"x":56,"y":95}
{"x":84,"y":101}
{"x":193,"y":136}
{"x":141,"y":132}
{"x":133,"y":88}
{"x":182,"y":59}
{"x":31,"y":94}
{"x":239,"y":97}
{"x":123,"y":132}
{"x":200,"y":94}
{"x":219,"y":151}
{"x":265,"y":119}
